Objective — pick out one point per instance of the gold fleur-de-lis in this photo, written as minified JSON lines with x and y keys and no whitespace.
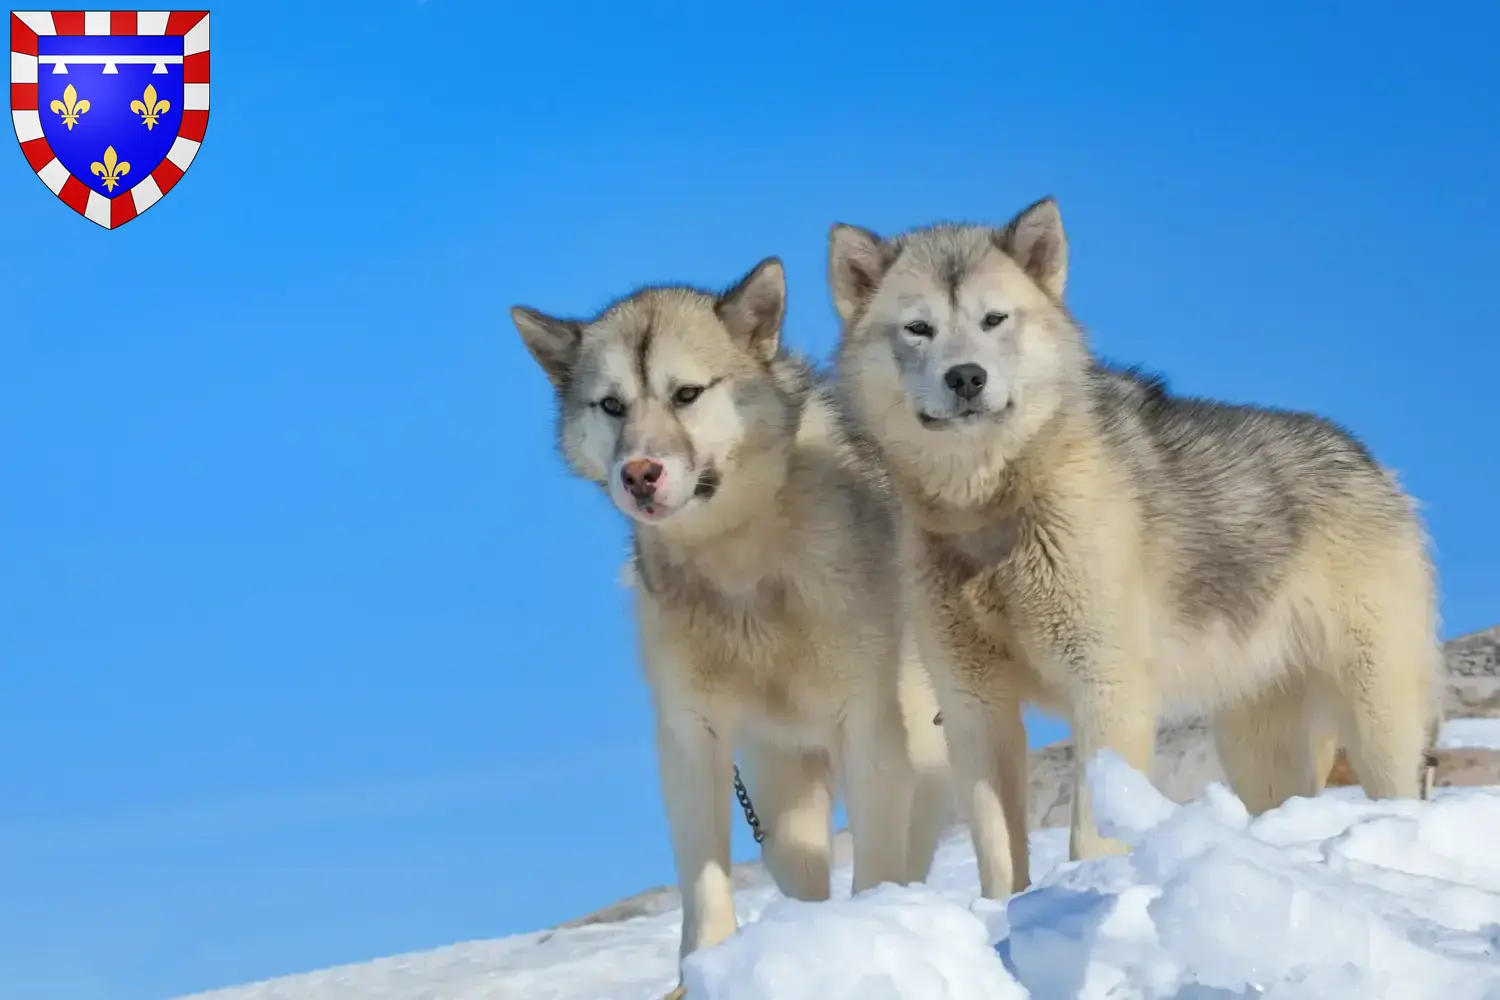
{"x":150,"y":109}
{"x":111,"y":170}
{"x":70,"y":107}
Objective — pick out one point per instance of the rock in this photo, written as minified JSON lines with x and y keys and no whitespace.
{"x":1473,"y":663}
{"x":1468,"y":767}
{"x":1460,"y":767}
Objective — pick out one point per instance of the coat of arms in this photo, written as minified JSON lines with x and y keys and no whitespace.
{"x":110,"y":106}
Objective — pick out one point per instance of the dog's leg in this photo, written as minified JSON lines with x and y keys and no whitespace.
{"x":987,"y":745}
{"x":791,"y":789}
{"x":1112,"y":708}
{"x":697,"y":774}
{"x":1388,"y":712}
{"x":1324,"y":743}
{"x":931,"y":814}
{"x":1387,"y":664}
{"x":986,"y":742}
{"x":1274,"y":746}
{"x":986,"y":748}
{"x":933,"y":807}
{"x":879,"y":782}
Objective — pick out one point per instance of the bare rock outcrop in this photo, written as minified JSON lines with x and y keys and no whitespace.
{"x":1473,"y":663}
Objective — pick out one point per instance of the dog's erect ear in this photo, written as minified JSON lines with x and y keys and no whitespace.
{"x":753,"y":309}
{"x":552,"y":341}
{"x":857,"y":260}
{"x":1035,"y":240}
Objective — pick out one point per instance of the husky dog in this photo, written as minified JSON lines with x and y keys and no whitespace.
{"x":767,"y":599}
{"x":1079,"y":537}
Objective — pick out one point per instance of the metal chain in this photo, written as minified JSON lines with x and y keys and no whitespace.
{"x":744,"y":797}
{"x":1429,"y":772}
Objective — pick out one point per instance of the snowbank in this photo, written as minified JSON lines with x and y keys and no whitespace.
{"x":1335,"y":898}
{"x":886,"y":944}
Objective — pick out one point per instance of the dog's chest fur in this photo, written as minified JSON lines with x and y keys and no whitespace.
{"x":1004,"y":587}
{"x":766,"y":628}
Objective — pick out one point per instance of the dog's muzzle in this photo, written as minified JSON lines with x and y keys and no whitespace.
{"x":961,"y":416}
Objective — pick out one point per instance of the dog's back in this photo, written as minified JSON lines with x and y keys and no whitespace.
{"x":1269,"y":536}
{"x":1238,"y":490}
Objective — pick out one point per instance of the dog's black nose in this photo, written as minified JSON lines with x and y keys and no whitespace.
{"x":639,"y":475}
{"x":966,"y":381}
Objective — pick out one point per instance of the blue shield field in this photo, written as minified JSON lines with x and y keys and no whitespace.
{"x":110,"y":105}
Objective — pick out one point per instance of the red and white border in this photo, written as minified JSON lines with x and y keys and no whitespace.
{"x":26,"y":25}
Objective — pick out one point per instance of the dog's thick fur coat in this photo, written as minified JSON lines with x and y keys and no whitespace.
{"x":1077,"y":536}
{"x":766,"y":595}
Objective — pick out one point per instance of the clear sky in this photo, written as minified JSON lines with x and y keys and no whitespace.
{"x":310,"y":652}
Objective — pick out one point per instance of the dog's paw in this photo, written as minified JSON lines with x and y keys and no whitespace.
{"x":676,"y":994}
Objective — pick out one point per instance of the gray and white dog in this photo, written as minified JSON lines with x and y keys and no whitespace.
{"x":766,"y":598}
{"x":1079,"y":537}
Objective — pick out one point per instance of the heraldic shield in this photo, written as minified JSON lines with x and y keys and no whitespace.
{"x":110,"y":106}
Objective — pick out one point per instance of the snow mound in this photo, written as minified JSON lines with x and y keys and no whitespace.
{"x":885,"y":944}
{"x":1334,"y":898}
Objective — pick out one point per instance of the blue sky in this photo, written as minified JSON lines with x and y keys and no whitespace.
{"x":309,"y":650}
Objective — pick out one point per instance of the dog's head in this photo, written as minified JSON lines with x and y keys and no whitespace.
{"x":668,"y":398}
{"x":956,"y":349}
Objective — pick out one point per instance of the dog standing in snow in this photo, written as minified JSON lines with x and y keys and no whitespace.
{"x":767,"y":601}
{"x":1077,"y":536}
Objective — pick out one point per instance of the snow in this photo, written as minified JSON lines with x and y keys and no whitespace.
{"x":1483,"y":733}
{"x":888,"y":944}
{"x":1332,"y":898}
{"x":1336,"y":898}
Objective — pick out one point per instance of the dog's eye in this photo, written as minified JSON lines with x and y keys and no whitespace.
{"x":992,"y":320}
{"x":612,"y":406}
{"x":917,"y":328}
{"x":686,"y":394}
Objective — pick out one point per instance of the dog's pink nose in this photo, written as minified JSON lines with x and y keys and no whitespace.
{"x":640,"y":475}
